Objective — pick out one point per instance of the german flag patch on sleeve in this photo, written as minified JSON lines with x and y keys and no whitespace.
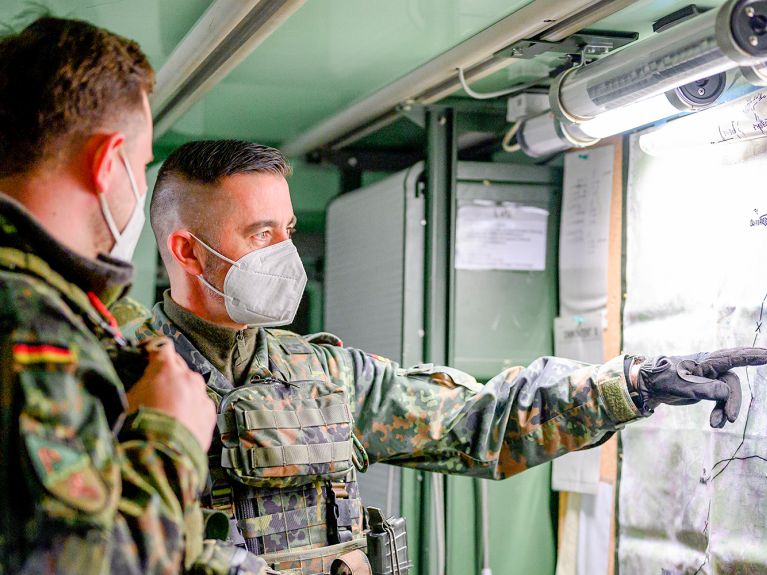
{"x":31,"y":353}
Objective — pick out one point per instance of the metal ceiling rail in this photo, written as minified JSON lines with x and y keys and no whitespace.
{"x":559,"y":31}
{"x":437,"y":78}
{"x":225,"y":34}
{"x":581,"y":20}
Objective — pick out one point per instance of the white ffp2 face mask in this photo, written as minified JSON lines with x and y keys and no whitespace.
{"x":264,"y":287}
{"x":127,"y":240}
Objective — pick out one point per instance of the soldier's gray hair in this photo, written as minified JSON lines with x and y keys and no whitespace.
{"x":201,"y":164}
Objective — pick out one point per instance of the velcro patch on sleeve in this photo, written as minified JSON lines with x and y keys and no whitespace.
{"x":31,"y":353}
{"x":67,"y":474}
{"x":294,"y":346}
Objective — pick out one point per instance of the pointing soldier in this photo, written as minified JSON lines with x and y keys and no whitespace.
{"x":75,"y":137}
{"x":297,"y":415}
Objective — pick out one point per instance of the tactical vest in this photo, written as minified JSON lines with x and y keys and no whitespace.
{"x":282,"y":466}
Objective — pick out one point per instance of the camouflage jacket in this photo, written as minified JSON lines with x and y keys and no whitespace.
{"x":74,"y":497}
{"x":438,"y":418}
{"x":130,"y":314}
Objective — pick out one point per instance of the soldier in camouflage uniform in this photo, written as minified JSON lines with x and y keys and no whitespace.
{"x":83,"y":488}
{"x":299,"y":415}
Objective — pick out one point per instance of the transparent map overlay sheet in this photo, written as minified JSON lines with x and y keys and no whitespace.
{"x":696,"y":279}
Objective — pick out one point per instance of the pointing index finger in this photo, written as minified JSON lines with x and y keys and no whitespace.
{"x":724,"y":360}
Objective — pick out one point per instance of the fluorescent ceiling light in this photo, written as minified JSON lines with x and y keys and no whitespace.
{"x":703,"y":46}
{"x":629,"y":117}
{"x":545,"y":134}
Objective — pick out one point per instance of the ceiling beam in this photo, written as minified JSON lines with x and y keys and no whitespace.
{"x":437,"y":78}
{"x":224,"y":36}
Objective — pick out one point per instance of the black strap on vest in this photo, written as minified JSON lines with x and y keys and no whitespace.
{"x":246,"y":509}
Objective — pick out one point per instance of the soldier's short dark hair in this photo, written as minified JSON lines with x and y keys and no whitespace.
{"x":207,"y":161}
{"x":200,"y":165}
{"x":63,"y":79}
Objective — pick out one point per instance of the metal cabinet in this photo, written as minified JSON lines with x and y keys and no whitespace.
{"x":375,"y":286}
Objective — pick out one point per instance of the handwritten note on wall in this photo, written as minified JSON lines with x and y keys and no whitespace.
{"x":585,"y":229}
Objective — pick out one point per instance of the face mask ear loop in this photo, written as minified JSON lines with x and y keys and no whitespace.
{"x":209,"y":285}
{"x":211,"y":250}
{"x":133,"y":186}
{"x":222,"y":256}
{"x":111,"y":224}
{"x":105,"y":211}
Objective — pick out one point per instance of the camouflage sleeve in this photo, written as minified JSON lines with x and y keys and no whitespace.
{"x":441,"y":419}
{"x":220,"y":558}
{"x":91,"y":504}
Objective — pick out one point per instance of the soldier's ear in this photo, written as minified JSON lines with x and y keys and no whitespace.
{"x":186,"y":251}
{"x":104,"y":159}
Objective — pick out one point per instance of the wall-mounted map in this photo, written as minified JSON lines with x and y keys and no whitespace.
{"x":696,"y":279}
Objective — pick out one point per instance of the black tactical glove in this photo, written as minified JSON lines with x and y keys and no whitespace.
{"x":683,"y":380}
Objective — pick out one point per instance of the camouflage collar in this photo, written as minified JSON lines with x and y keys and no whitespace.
{"x":160,"y":324}
{"x":14,"y":259}
{"x":107,"y":277}
{"x":230,"y":350}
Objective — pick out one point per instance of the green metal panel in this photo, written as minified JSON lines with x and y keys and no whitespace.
{"x":313,"y":292}
{"x":311,"y":189}
{"x":504,"y":318}
{"x":414,"y":491}
{"x":462,"y":522}
{"x":522,"y":533}
{"x":522,"y":524}
{"x":522,"y":537}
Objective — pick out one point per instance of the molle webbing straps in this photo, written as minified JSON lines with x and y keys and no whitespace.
{"x":285,"y":455}
{"x":271,"y":419}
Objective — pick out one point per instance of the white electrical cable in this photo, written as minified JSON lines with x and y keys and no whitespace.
{"x":485,"y":513}
{"x":438,"y":495}
{"x":500,"y":93}
{"x":390,"y":480}
{"x":506,"y":142}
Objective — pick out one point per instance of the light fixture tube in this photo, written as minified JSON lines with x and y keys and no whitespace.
{"x":629,"y":117}
{"x":708,"y":44}
{"x":740,"y":120}
{"x":543,"y":135}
